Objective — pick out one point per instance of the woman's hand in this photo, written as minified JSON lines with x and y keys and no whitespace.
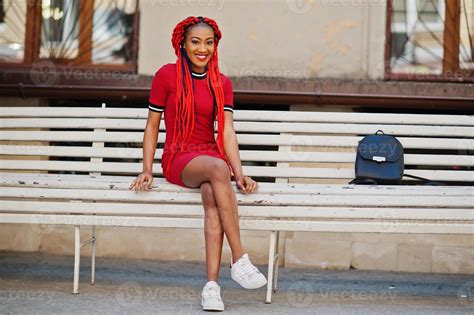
{"x":246,"y":184}
{"x":143,"y":182}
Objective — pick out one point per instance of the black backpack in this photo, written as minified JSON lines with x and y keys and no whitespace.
{"x":379,"y":160}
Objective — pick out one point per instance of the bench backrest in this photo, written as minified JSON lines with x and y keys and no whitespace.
{"x":273,"y":144}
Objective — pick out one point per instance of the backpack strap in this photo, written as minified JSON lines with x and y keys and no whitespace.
{"x":363,"y":181}
{"x":369,"y":181}
{"x":425,"y":181}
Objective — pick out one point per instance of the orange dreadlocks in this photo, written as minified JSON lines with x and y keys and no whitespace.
{"x":184,"y":122}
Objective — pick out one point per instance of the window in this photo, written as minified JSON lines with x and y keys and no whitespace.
{"x":12,"y":30}
{"x":77,"y":33}
{"x":430,"y":40}
{"x":59,"y":34}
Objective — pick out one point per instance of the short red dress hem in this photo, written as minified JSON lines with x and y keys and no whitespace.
{"x":179,"y":163}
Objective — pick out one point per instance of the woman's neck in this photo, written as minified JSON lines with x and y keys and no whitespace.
{"x":199,"y":70}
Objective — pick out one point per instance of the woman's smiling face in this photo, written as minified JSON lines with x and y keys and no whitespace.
{"x":199,"y":46}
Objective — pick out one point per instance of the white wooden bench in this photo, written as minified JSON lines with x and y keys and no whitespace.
{"x":90,"y":155}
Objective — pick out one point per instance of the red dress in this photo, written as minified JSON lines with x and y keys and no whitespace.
{"x":162,"y":99}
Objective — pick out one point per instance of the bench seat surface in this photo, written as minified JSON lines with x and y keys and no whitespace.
{"x":106,"y":200}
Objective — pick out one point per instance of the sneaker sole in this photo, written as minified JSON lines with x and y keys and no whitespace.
{"x":257,"y":286}
{"x":216,"y":308}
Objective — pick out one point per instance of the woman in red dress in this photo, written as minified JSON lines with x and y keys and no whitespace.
{"x":193,"y":95}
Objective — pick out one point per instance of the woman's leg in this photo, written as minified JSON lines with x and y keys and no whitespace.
{"x":213,"y":232}
{"x":215,"y":171}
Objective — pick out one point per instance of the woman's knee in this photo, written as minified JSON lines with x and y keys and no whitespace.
{"x":204,"y":169}
{"x":218,"y":170}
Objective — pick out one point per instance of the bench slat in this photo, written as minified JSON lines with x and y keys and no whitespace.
{"x":243,"y":139}
{"x":262,"y":225}
{"x":257,"y":171}
{"x":250,"y":115}
{"x":245,"y":126}
{"x":104,"y":208}
{"x":66,"y":181}
{"x":258,"y":199}
{"x":261,"y":156}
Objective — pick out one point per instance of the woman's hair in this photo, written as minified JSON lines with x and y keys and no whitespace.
{"x":184,"y":122}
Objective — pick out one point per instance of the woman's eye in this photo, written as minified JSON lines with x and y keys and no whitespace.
{"x":210,"y":43}
{"x":195,"y":42}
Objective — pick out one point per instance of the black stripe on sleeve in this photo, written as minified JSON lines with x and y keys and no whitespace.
{"x":156,"y":108}
{"x":229,"y":108}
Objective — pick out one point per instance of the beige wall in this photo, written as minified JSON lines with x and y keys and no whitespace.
{"x":275,"y":38}
{"x":374,"y":251}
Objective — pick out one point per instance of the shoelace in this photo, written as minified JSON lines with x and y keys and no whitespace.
{"x":212,"y":292}
{"x":246,"y":268}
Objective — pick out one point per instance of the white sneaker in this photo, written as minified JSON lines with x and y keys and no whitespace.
{"x":211,"y":297}
{"x":246,"y":274}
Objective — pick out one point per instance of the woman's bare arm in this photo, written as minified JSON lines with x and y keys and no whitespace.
{"x":231,"y":148}
{"x":150,"y":139}
{"x":144,"y":180}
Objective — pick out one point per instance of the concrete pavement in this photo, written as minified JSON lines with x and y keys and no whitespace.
{"x":38,"y":284}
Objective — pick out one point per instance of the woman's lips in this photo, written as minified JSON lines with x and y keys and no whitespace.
{"x":201,"y":57}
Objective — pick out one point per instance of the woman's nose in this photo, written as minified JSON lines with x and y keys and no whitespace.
{"x":202,"y":47}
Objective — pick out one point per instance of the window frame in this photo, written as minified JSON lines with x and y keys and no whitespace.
{"x":461,"y":75}
{"x":84,"y":61}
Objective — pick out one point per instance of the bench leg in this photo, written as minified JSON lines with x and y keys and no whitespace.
{"x":271,"y":259}
{"x":94,"y":239}
{"x":77,"y":258}
{"x":277,"y":256}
